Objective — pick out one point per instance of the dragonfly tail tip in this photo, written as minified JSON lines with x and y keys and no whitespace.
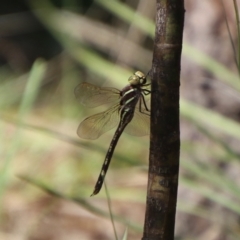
{"x":95,"y":192}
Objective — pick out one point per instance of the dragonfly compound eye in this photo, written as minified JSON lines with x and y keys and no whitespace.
{"x":139,"y":74}
{"x":137,"y":78}
{"x":134,"y":80}
{"x":142,"y":77}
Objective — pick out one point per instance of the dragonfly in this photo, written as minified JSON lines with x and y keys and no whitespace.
{"x":129,"y":112}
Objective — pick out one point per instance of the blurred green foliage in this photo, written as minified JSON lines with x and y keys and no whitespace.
{"x":39,"y":117}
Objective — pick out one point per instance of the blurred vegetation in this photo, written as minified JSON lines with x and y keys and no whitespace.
{"x":47,"y":49}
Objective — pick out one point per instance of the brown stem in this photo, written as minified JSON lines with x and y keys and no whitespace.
{"x":165,"y":133}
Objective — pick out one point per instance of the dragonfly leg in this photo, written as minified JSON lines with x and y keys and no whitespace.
{"x":145,"y":105}
{"x":146,"y":91}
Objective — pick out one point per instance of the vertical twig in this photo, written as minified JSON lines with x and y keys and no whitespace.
{"x":165,"y":133}
{"x":235,"y":53}
{"x":238,"y":32}
{"x":110,"y":210}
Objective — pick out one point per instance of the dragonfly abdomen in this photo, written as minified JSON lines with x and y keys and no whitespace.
{"x":126,"y":117}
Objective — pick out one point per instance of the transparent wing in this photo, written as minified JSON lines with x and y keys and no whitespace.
{"x":94,"y":126}
{"x":90,"y":95}
{"x":140,"y":124}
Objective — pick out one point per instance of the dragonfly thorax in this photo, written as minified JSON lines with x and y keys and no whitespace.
{"x":129,"y":97}
{"x":137,"y":79}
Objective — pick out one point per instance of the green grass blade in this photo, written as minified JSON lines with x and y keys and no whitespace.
{"x":210,"y":193}
{"x":29,"y":96}
{"x":125,"y":235}
{"x":216,"y":68}
{"x":129,"y":15}
{"x":196,"y":113}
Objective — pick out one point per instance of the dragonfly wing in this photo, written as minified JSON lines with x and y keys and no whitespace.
{"x":90,"y":95}
{"x":140,"y":124}
{"x":94,"y":126}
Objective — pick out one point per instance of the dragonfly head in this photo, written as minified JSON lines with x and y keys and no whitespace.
{"x":137,"y":79}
